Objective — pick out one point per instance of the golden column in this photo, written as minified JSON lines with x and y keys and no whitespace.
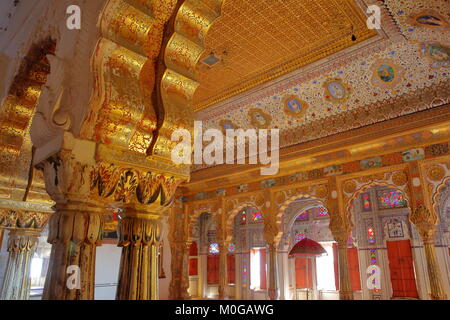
{"x":76,"y":226}
{"x":223,"y":277}
{"x":74,"y":232}
{"x":139,"y":239}
{"x":179,"y":283}
{"x":272,"y":289}
{"x":425,"y":222}
{"x":340,"y":227}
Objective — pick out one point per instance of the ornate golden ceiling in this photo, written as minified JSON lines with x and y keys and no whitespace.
{"x":257,"y":41}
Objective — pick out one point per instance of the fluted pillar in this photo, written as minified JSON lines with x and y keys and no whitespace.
{"x":345,"y":286}
{"x":21,"y":247}
{"x":272,"y":289}
{"x":138,"y":274}
{"x":74,"y":232}
{"x":340,"y":227}
{"x":223,"y":277}
{"x":1,"y":237}
{"x":179,"y":284}
{"x":425,"y":222}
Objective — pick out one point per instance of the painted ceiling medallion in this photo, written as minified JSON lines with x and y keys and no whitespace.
{"x":428,"y":19}
{"x":259,"y":119}
{"x":227,"y":124}
{"x":386,"y":74}
{"x":438,"y":55}
{"x":295,"y":107}
{"x":336,"y":90}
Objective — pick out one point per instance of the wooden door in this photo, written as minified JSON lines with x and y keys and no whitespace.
{"x":303,"y":273}
{"x":402,"y":269}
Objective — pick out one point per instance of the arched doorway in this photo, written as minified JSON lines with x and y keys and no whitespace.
{"x":388,"y":240}
{"x":307,"y":279}
{"x":250,"y":258}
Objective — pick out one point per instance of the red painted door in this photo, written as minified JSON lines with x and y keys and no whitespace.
{"x":303,"y":273}
{"x":213,"y":269}
{"x":402,"y":269}
{"x":231,"y":268}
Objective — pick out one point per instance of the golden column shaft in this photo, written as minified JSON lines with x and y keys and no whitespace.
{"x":138,"y":274}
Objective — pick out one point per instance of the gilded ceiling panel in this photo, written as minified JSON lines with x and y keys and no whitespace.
{"x":373,"y":84}
{"x":257,"y":41}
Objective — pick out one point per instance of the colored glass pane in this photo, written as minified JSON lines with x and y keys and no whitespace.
{"x":231,"y":247}
{"x":214,"y":248}
{"x":391,"y":199}
{"x":322,"y":212}
{"x":300,"y":236}
{"x":257,"y":216}
{"x":366,"y":202}
{"x":370,"y":235}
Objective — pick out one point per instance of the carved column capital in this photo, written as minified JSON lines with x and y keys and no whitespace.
{"x":23,"y":219}
{"x":425,"y":221}
{"x":340,"y":227}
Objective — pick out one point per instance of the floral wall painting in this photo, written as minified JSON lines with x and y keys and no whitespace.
{"x":386,"y":74}
{"x":336,"y":90}
{"x":333,"y":170}
{"x":437,"y":54}
{"x":428,"y":19}
{"x":413,"y":154}
{"x":227,"y":124}
{"x":295,"y":107}
{"x":259,"y":119}
{"x":371,"y":163}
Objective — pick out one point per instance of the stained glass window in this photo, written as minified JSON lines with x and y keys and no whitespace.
{"x":366,"y":202}
{"x":373,"y":256}
{"x":243,"y":217}
{"x":244,"y":269}
{"x":231,"y":247}
{"x":391,"y":199}
{"x":373,"y":261}
{"x":303,"y":216}
{"x":370,"y":235}
{"x":300,"y":236}
{"x":322,"y":212}
{"x":257,"y":216}
{"x":214,"y":248}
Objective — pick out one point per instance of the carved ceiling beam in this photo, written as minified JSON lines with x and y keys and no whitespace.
{"x":179,"y":82}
